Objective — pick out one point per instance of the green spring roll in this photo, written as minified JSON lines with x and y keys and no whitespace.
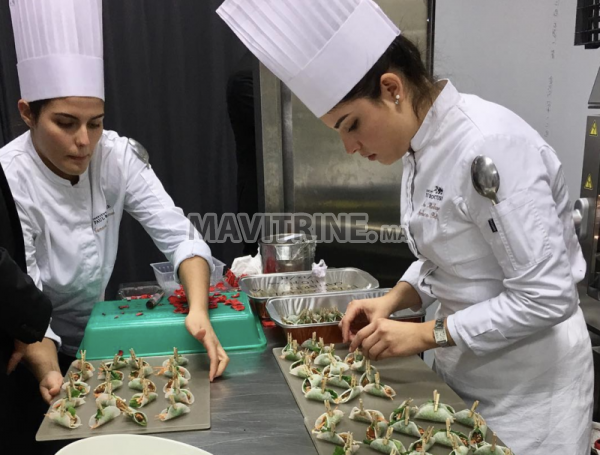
{"x":380,"y":446}
{"x":173,"y":411}
{"x":412,"y":429}
{"x":426,"y":412}
{"x":441,"y":437}
{"x":349,"y":395}
{"x":318,"y":395}
{"x":487,"y":450}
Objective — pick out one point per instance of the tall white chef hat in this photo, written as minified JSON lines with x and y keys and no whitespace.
{"x":59,"y":48}
{"x":319,"y":48}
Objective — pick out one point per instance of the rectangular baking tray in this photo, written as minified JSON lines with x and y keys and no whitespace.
{"x":278,"y":308}
{"x":261,"y":288}
{"x":410,"y":377}
{"x":197,"y":419}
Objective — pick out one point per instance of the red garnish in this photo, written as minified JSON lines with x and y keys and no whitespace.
{"x":140,"y":314}
{"x":122,"y":307}
{"x":236,"y":295}
{"x":120,"y":353}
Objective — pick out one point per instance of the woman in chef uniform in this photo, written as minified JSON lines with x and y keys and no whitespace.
{"x":510,"y":330}
{"x":72,"y":181}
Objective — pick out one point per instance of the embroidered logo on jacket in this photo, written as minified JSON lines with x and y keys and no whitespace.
{"x":437,"y":193}
{"x":430,"y":208}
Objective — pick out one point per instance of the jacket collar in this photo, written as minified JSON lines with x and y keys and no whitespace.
{"x":446,"y":100}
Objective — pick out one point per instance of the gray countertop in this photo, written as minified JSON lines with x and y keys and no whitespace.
{"x":252,"y":409}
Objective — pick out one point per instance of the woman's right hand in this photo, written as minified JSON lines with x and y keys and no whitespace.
{"x":362,"y":312}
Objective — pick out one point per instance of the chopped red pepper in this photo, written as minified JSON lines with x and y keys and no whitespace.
{"x":122,"y":307}
{"x":140,"y":314}
{"x":266,"y":323}
{"x":231,"y":279}
{"x":236,"y":295}
{"x":180,"y":302}
{"x":120,"y":352}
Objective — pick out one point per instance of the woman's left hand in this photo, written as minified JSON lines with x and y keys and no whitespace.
{"x":385,"y":338}
{"x":199,"y":326}
{"x":50,"y":385}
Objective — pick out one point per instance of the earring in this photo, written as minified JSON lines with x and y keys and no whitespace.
{"x":397,"y":100}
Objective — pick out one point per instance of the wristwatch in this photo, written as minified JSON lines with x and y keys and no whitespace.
{"x":439,"y":333}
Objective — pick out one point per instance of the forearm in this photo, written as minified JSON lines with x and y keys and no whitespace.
{"x":404,"y":296}
{"x":42,"y":358}
{"x":195,"y":276}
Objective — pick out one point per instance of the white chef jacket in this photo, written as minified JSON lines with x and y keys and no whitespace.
{"x":72,"y":231}
{"x":505,"y":275}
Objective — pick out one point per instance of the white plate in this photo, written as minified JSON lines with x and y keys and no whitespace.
{"x":127,"y":444}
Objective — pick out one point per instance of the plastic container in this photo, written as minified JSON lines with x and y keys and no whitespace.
{"x":165,"y":275}
{"x":157,"y":331}
{"x":137,"y":289}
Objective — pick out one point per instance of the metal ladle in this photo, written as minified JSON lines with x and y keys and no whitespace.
{"x":485,"y":177}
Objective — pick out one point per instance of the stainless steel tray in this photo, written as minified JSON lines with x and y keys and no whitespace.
{"x":261,"y":288}
{"x":277,"y":308}
{"x":197,"y":419}
{"x":410,"y":377}
{"x":280,"y":307}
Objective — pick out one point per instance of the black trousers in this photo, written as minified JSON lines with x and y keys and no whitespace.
{"x":20,"y":391}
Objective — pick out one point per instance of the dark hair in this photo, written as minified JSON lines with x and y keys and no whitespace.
{"x":404,"y":57}
{"x":36,"y":108}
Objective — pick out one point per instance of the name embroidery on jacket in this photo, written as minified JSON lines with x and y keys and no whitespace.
{"x":99,"y":222}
